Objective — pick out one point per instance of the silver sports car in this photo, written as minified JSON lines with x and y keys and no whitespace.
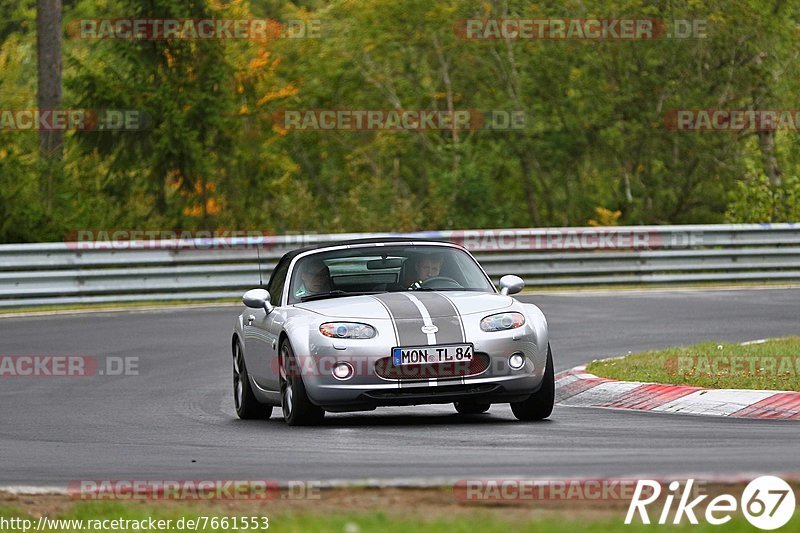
{"x":355,"y":325}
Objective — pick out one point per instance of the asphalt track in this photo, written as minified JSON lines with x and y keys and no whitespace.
{"x":175,"y":420}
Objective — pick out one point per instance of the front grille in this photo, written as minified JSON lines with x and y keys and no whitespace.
{"x":386,"y":368}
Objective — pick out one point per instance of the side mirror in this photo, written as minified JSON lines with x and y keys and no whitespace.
{"x":511,"y":285}
{"x":257,"y":299}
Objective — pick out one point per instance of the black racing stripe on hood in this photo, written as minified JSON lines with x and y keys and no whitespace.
{"x":444,"y":315}
{"x":406,"y":318}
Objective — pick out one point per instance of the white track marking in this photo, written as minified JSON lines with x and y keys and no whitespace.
{"x":601,"y":394}
{"x":721,"y":402}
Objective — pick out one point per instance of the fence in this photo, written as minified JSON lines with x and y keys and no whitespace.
{"x":107,"y":269}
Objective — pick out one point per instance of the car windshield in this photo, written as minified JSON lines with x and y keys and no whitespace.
{"x":377,"y":269}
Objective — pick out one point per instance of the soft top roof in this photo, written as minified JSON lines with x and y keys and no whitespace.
{"x":370,"y":240}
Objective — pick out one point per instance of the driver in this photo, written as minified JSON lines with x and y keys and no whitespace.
{"x":425,"y":268}
{"x":315,"y":278}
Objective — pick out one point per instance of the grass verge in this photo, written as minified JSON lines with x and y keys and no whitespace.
{"x":771,"y":365}
{"x":208,"y":517}
{"x":635,"y":287}
{"x":120,"y":306}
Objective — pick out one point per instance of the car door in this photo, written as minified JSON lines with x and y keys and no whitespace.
{"x":261,"y":333}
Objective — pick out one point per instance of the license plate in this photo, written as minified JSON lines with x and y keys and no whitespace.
{"x":423,"y":355}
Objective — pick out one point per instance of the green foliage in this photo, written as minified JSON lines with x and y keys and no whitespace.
{"x":756,"y":200}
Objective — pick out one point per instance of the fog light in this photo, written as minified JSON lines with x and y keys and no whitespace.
{"x":342,"y":371}
{"x":516,"y":361}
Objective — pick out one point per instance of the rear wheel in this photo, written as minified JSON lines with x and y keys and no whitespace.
{"x":540,"y":404}
{"x":297,"y":408}
{"x":471,"y":408}
{"x":247,"y":406}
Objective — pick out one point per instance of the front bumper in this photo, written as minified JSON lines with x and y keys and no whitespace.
{"x":489,"y":392}
{"x":498,"y":383}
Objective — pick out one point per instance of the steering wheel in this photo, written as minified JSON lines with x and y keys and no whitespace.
{"x":441,"y":282}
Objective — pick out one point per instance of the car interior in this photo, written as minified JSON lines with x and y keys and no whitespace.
{"x":393,"y":274}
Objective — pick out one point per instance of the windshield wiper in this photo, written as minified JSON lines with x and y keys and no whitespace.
{"x":334,"y":294}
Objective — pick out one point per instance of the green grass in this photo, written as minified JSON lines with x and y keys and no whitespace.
{"x":710,"y":285}
{"x":118,"y":305}
{"x":309,"y":522}
{"x":773,"y":365}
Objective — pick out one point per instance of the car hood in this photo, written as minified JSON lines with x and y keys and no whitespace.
{"x":392,"y":305}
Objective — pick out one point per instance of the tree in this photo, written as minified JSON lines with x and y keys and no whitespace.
{"x":48,"y":45}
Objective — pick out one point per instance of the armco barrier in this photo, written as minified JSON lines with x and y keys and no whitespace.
{"x":119,"y":271}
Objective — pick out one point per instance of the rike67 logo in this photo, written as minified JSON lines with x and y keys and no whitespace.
{"x":767,"y":502}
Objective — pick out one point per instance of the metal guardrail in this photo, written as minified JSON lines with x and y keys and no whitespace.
{"x":110,"y":268}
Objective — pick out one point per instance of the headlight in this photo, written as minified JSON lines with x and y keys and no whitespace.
{"x":502,"y":321}
{"x":347,"y":330}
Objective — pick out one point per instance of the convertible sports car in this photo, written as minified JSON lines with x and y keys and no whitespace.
{"x":354,"y":325}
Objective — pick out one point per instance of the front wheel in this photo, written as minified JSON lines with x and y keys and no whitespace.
{"x":297,"y":408}
{"x":247,"y":406}
{"x":540,"y":404}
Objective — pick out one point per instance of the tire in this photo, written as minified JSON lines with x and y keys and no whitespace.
{"x":247,"y":406}
{"x":540,"y":404}
{"x":297,"y":408}
{"x":471,"y":408}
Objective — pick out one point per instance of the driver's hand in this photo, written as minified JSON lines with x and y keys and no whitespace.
{"x":416,"y":285}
